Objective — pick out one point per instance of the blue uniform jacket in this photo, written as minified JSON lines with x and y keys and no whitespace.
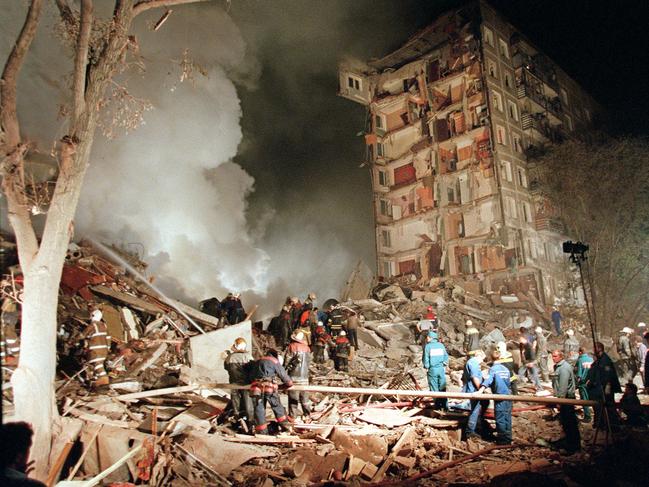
{"x":435,"y":355}
{"x":583,"y":366}
{"x":498,"y":379}
{"x":471,"y":369}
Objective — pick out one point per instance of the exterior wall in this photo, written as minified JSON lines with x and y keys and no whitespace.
{"x":448,"y":132}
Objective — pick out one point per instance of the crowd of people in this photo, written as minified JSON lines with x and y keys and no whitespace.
{"x":302,"y":333}
{"x":575,"y":374}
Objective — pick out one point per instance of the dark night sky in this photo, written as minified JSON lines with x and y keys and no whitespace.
{"x":300,"y":139}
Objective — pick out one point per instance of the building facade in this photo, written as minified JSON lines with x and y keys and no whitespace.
{"x":451,"y":116}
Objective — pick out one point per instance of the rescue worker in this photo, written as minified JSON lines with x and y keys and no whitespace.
{"x":305,"y":329}
{"x":435,"y":360}
{"x":266,"y":372}
{"x":321,"y":341}
{"x":9,"y":340}
{"x":295,"y":311}
{"x":471,"y":382}
{"x":297,"y":360}
{"x":341,"y":360}
{"x":528,"y":362}
{"x":237,"y":364}
{"x":632,"y":407}
{"x":336,"y":321}
{"x":602,"y":383}
{"x":471,"y":339}
{"x":641,"y":354}
{"x":556,"y":320}
{"x":571,"y":347}
{"x":97,"y":340}
{"x":507,"y":360}
{"x":425,"y":325}
{"x":541,"y":350}
{"x":351,"y":328}
{"x":563,"y":383}
{"x":309,"y":302}
{"x":498,"y":381}
{"x":584,"y":362}
{"x":626,"y":368}
{"x":284,"y":328}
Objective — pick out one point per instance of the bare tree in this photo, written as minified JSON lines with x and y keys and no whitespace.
{"x":601,"y":190}
{"x":100,"y":49}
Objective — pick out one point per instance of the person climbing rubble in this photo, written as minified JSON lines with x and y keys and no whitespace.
{"x":297,"y":361}
{"x":528,"y":360}
{"x":97,"y":347}
{"x":342,"y":352}
{"x":266,"y":373}
{"x":233,"y":308}
{"x":571,"y":347}
{"x":425,"y":325}
{"x":471,"y":339}
{"x":309,"y":302}
{"x":435,"y":361}
{"x":499,"y":382}
{"x":321,"y":342}
{"x":237,"y":364}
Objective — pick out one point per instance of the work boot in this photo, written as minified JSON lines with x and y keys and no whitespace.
{"x":261,"y":432}
{"x":286,"y":426}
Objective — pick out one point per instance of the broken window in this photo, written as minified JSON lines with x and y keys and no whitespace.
{"x":497,"y":100}
{"x":432,"y":71}
{"x":379,"y":121}
{"x":385,"y":207}
{"x":517,"y":142}
{"x":492,"y":69}
{"x":385,"y":238}
{"x":501,"y":135}
{"x":387,"y":271}
{"x":503,"y":48}
{"x":527,"y":213}
{"x":380,"y":149}
{"x":508,"y":80}
{"x":408,"y":267}
{"x":488,"y":36}
{"x":383,"y":178}
{"x":512,"y":109}
{"x":405,"y":174}
{"x":507,"y":170}
{"x":522,"y":177}
{"x":354,"y":83}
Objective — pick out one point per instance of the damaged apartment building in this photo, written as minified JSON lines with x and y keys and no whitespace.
{"x":451,"y":115}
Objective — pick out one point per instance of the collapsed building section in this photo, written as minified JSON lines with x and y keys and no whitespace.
{"x":451,"y":116}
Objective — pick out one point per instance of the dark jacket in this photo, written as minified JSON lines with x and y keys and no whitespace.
{"x":342,"y":347}
{"x":471,"y":340}
{"x":268,"y":369}
{"x":297,"y":360}
{"x":563,"y":380}
{"x":238,"y":366}
{"x":602,"y":378}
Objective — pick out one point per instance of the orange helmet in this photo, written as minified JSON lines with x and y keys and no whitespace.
{"x":239,"y":345}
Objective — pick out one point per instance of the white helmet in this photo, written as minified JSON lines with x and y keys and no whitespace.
{"x":570,"y":332}
{"x":239,"y":344}
{"x":96,"y":315}
{"x":626,"y":329}
{"x":502,"y":347}
{"x":343,"y":333}
{"x":642,"y":324}
{"x":469,"y":323}
{"x":538,"y":329}
{"x":299,"y":336}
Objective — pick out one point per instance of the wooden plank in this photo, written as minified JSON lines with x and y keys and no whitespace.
{"x":95,"y":480}
{"x":422,"y":393}
{"x":129,"y":299}
{"x":97,"y":418}
{"x":405,"y":437}
{"x":268,"y":440}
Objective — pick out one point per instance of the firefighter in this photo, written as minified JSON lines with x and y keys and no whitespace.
{"x":9,"y":341}
{"x":343,"y":349}
{"x":571,"y":348}
{"x":97,"y":340}
{"x":297,"y":360}
{"x":322,"y":340}
{"x":266,"y":372}
{"x":471,"y":339}
{"x":237,"y":363}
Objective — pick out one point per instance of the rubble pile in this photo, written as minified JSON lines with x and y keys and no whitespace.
{"x":164,"y":420}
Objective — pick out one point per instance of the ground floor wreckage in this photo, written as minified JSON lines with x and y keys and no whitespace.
{"x":164,"y":418}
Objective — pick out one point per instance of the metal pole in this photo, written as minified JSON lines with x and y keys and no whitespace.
{"x":583,"y":286}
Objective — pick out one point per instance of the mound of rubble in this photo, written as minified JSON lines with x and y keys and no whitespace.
{"x":164,"y":420}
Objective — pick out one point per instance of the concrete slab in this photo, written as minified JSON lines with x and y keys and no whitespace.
{"x":207,"y":351}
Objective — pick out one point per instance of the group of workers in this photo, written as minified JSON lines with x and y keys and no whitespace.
{"x":574,"y":370}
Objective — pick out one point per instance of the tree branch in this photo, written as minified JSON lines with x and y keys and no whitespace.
{"x":8,"y":114}
{"x":81,"y":60}
{"x":145,"y":5}
{"x":65,"y":11}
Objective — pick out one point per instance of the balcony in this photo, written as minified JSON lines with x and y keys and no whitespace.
{"x":540,"y":124}
{"x":529,"y":87}
{"x":549,"y":224}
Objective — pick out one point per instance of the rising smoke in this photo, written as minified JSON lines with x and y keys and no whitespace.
{"x":180,"y":187}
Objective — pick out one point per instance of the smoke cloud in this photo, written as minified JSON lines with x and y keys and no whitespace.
{"x":244,"y":177}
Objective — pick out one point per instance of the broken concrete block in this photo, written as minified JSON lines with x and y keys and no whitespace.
{"x":206,"y":349}
{"x":370,"y":337}
{"x":368,"y":447}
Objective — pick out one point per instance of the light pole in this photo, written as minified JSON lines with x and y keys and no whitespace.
{"x":577,"y":253}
